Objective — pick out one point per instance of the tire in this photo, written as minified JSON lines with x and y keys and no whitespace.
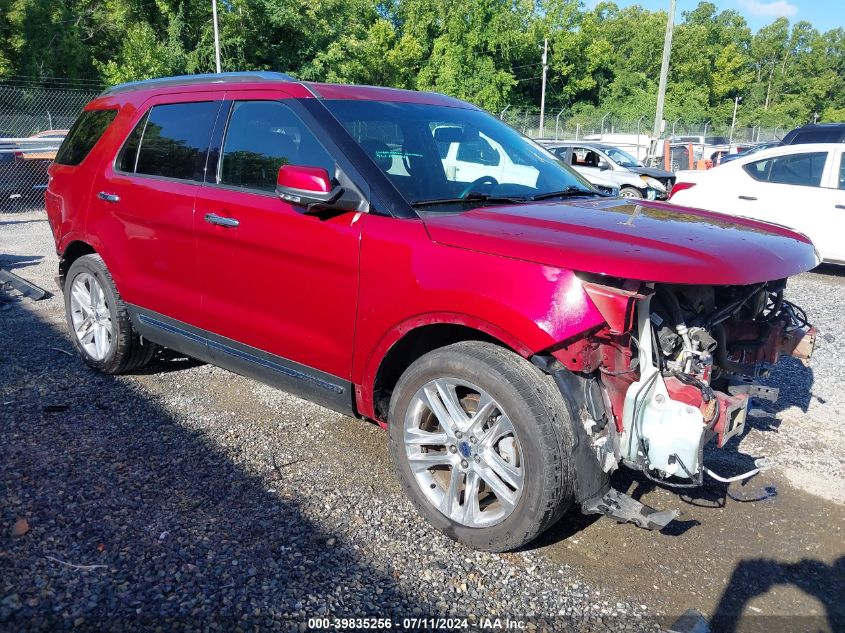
{"x":631,"y":192}
{"x":541,"y":445}
{"x":125,"y":351}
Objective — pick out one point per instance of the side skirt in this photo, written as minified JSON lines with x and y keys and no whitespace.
{"x":303,"y":381}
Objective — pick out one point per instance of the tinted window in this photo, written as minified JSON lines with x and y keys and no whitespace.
{"x":175,"y":140}
{"x":84,"y":134}
{"x":261,"y":137}
{"x":793,"y":169}
{"x":129,"y":153}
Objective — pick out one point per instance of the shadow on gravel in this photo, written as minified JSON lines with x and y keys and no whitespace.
{"x":755,"y":577}
{"x":829,"y":269}
{"x":133,"y":521}
{"x":10,"y":262}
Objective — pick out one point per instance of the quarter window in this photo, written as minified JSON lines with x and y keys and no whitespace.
{"x":174,"y":142}
{"x":83,"y":135}
{"x":793,"y":169}
{"x":261,"y":137}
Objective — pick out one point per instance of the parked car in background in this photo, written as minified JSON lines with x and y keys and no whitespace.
{"x":518,"y":341}
{"x":23,"y":166}
{"x":816,"y":133}
{"x":600,"y":161}
{"x":704,"y":147}
{"x":799,"y":186}
{"x":747,"y":151}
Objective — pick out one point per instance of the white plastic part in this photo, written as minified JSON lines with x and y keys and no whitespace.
{"x":671,"y":429}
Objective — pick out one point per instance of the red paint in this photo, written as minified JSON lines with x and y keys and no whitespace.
{"x":337,"y":293}
{"x":649,"y":241}
{"x":304,"y":178}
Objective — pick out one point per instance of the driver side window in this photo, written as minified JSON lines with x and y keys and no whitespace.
{"x":261,"y":136}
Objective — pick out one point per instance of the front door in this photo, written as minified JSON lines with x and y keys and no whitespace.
{"x":279,"y":286}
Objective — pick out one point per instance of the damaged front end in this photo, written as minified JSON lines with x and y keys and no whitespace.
{"x":673,"y":368}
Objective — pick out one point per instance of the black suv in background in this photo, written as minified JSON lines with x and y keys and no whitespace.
{"x":816,"y":133}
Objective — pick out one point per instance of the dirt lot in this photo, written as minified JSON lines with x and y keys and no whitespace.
{"x":185,"y":494}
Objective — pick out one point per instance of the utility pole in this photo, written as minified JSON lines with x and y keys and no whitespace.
{"x":216,"y":35}
{"x":543,"y":89}
{"x":664,"y":75}
{"x":733,"y":120}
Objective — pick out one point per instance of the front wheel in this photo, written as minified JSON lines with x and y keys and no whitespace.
{"x":481,"y":441}
{"x":631,"y":192}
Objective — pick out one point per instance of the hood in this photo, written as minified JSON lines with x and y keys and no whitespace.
{"x":654,"y":172}
{"x":647,"y":241}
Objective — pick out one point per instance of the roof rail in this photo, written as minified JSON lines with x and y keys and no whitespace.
{"x":185,"y":80}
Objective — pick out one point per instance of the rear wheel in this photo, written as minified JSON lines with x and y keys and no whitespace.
{"x":481,"y":441}
{"x":631,"y":192}
{"x":98,"y":321}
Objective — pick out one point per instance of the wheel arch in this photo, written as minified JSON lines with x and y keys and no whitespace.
{"x":73,"y":251}
{"x":407,"y":342}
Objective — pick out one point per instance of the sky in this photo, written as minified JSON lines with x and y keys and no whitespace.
{"x":823,"y":14}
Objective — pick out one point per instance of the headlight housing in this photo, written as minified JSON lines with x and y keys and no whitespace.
{"x":654,"y":183}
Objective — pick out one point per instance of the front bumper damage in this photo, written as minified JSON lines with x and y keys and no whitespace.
{"x":665,"y":420}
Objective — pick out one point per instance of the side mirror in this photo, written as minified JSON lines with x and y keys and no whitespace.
{"x":306,"y":186}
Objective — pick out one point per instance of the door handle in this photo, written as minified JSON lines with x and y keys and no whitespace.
{"x":219,"y":220}
{"x":747,"y":198}
{"x":108,"y":197}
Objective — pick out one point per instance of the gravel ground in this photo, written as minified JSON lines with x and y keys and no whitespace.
{"x":185,"y":496}
{"x":188,"y":496}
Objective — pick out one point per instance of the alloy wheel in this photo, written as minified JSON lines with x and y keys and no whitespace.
{"x":464,"y":452}
{"x":91,"y":317}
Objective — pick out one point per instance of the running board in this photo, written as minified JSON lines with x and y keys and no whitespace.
{"x":621,"y":507}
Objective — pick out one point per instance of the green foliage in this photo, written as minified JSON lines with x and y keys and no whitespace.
{"x":605,"y":59}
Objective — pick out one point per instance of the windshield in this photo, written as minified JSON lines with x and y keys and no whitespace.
{"x":622,"y":158}
{"x":440,"y":156}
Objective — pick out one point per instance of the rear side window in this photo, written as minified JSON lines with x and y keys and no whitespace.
{"x":83,"y":135}
{"x":129,"y":154}
{"x":175,"y":139}
{"x":792,"y":169}
{"x":261,"y":137}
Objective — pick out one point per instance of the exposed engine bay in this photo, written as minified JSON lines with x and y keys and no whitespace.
{"x":675,"y":368}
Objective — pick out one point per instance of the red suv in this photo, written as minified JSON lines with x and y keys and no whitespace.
{"x":406,"y":258}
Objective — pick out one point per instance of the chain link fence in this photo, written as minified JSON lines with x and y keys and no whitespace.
{"x":33,"y":122}
{"x":633,"y":135}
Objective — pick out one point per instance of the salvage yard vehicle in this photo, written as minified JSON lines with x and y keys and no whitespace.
{"x":519,"y":342}
{"x":599,"y":160}
{"x":23,"y":166}
{"x":800,"y":186}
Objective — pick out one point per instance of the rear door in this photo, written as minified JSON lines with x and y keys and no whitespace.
{"x":794,"y":190}
{"x":279,"y":286}
{"x":142,"y":205}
